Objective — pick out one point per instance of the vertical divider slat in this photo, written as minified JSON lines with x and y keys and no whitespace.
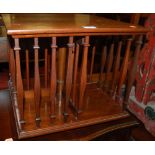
{"x":37,"y":87}
{"x":61,"y":72}
{"x":83,"y":76}
{"x":116,"y":67}
{"x":69,"y":75}
{"x":19,"y":82}
{"x":124,"y":68}
{"x":53,"y":77}
{"x":46,"y":67}
{"x":103,"y":61}
{"x":92,"y":63}
{"x":75,"y":73}
{"x":109,"y":66}
{"x":12,"y":66}
{"x":27,"y":70}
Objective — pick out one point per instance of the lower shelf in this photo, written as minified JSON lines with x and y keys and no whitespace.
{"x":99,"y":108}
{"x":92,"y":132}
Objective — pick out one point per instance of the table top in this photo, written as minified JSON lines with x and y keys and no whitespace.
{"x":22,"y":24}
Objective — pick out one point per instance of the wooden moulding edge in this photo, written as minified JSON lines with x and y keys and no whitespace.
{"x":109,"y":129}
{"x":75,"y":34}
{"x":69,"y":126}
{"x":16,"y":122}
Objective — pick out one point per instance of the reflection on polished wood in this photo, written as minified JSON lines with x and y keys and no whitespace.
{"x":64,"y":24}
{"x":85,"y":99}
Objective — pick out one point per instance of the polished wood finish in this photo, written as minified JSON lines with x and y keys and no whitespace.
{"x":92,"y":63}
{"x":92,"y":132}
{"x":103,"y":61}
{"x":46,"y":68}
{"x":19,"y":82}
{"x":53,"y":78}
{"x":74,"y":94}
{"x":116,"y":67}
{"x":109,"y":65}
{"x":37,"y":89}
{"x":124,"y":68}
{"x":12,"y":66}
{"x":32,"y":24}
{"x":27,"y":71}
{"x":103,"y":131}
{"x":135,"y":18}
{"x":83,"y":103}
{"x":96,"y":101}
{"x":83,"y":76}
{"x":84,"y":133}
{"x":69,"y":75}
{"x":62,"y":51}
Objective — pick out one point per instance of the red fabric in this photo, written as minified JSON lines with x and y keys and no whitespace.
{"x":145,"y":80}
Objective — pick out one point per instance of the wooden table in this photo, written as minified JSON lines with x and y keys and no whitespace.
{"x":89,"y":99}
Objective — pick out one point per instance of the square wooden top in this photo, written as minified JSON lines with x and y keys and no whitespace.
{"x":31,"y":24}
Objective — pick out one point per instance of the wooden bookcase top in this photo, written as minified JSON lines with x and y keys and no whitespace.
{"x":26,"y":24}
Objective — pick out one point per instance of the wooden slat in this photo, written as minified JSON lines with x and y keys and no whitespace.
{"x":53,"y":79}
{"x":124,"y":68}
{"x":27,"y":71}
{"x":103,"y":61}
{"x":133,"y":68}
{"x":19,"y":82}
{"x":116,"y":68}
{"x":135,"y":18}
{"x":109,"y":65}
{"x":75,"y":74}
{"x":92,"y":63}
{"x":68,"y":25}
{"x":83,"y":77}
{"x":46,"y":67}
{"x":61,"y":71}
{"x":37,"y":89}
{"x":12,"y":66}
{"x":69,"y":75}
